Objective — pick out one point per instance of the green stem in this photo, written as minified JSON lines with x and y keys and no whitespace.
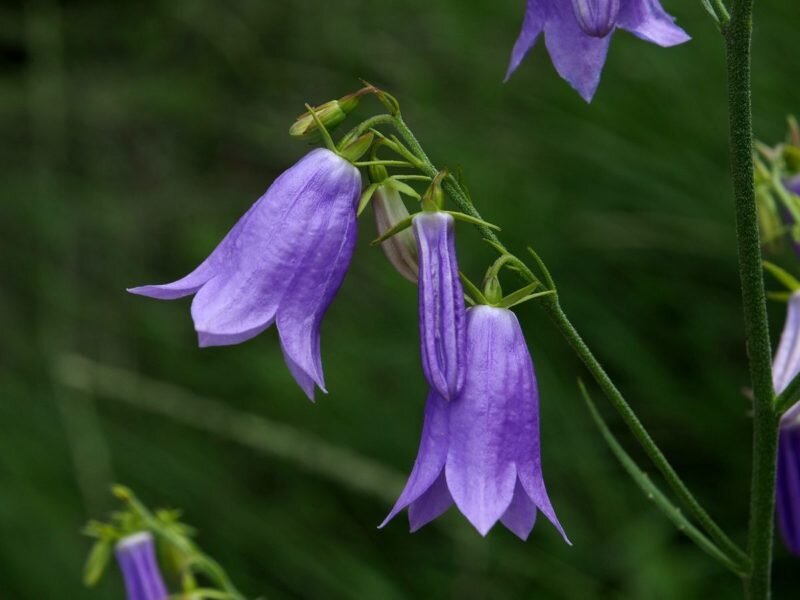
{"x":765,"y":421}
{"x":556,"y":313}
{"x":566,"y":328}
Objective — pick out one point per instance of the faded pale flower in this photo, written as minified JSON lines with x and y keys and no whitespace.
{"x":401,"y":248}
{"x":577,"y":34}
{"x":282,"y":263}
{"x":137,"y":561}
{"x":481,"y":449}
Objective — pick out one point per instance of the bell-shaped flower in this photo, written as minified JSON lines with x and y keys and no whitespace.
{"x":441,"y":303}
{"x":137,"y":561}
{"x":785,"y":367}
{"x":401,"y":248}
{"x":283,"y":263}
{"x":577,"y":34}
{"x":481,"y":449}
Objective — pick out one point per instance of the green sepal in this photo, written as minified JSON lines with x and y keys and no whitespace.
{"x":366,"y":197}
{"x":470,"y":219}
{"x":786,"y":278}
{"x":548,"y":279}
{"x":779,"y":296}
{"x":652,"y":492}
{"x":357,"y":148}
{"x":398,"y":227}
{"x":97,"y":561}
{"x":401,"y":187}
{"x":473,"y":293}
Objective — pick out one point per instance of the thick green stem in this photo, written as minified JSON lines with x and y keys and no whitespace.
{"x":738,"y":35}
{"x":561,"y":321}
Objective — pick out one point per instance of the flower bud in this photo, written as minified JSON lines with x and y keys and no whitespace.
{"x":330,"y":115}
{"x":596,"y":17}
{"x":137,"y":561}
{"x":401,"y":248}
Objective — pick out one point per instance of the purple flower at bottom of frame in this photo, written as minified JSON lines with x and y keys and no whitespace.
{"x":480,"y":451}
{"x":283,"y":262}
{"x":441,"y":303}
{"x":785,"y":367}
{"x":577,"y":34}
{"x":137,"y":560}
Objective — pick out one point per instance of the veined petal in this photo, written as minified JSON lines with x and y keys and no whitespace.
{"x":578,"y":57}
{"x":430,"y":457}
{"x":433,"y":503}
{"x":532,"y":26}
{"x":647,"y":20}
{"x":520,"y":516}
{"x":786,"y":364}
{"x":441,"y":303}
{"x":317,"y":279}
{"x":137,"y":561}
{"x":788,"y":486}
{"x":481,"y":472}
{"x":268,"y":250}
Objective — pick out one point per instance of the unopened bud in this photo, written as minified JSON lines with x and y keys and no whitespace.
{"x":596,"y":17}
{"x":329,"y":114}
{"x":401,"y":248}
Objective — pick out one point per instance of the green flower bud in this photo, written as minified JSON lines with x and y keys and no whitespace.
{"x":330,"y":114}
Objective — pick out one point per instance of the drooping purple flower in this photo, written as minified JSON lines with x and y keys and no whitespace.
{"x":785,"y":367}
{"x":282,"y":262}
{"x":481,"y":449}
{"x":441,"y":303}
{"x":137,"y":560}
{"x":793,"y":184}
{"x":577,"y":34}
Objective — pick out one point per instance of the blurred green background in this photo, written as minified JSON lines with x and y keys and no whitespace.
{"x":133,"y":136}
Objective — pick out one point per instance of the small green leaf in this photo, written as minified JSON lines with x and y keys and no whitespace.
{"x":97,"y":562}
{"x":401,"y":187}
{"x":400,"y":226}
{"x":472,"y":220}
{"x":652,"y":492}
{"x":366,"y":197}
{"x":473,"y":293}
{"x":783,"y":276}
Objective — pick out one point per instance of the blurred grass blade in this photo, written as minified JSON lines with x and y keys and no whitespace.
{"x":652,"y":492}
{"x":268,"y":437}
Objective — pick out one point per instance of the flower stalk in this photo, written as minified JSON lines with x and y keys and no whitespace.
{"x":738,"y":34}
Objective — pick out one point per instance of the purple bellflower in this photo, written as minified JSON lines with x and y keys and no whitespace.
{"x":441,"y":303}
{"x":793,"y":184}
{"x":785,"y":366}
{"x":481,"y":449}
{"x":137,"y":560}
{"x":283,"y":263}
{"x":577,"y":34}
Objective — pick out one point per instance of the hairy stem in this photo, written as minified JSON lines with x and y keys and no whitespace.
{"x":765,"y":419}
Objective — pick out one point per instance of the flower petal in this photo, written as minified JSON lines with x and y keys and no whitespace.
{"x":521,"y":513}
{"x":578,"y":57}
{"x":430,"y":457}
{"x":786,"y":364}
{"x":441,"y":303}
{"x":646,"y":19}
{"x":433,"y":503}
{"x":318,"y":277}
{"x":788,"y":487}
{"x":480,"y":469}
{"x":532,"y":25}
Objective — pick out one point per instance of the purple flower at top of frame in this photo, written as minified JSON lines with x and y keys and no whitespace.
{"x":136,"y":558}
{"x":785,"y":367}
{"x":480,"y":450}
{"x":283,"y":263}
{"x":577,"y":34}
{"x":441,"y":303}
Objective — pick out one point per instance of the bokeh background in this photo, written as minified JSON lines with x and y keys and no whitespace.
{"x":133,"y":136}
